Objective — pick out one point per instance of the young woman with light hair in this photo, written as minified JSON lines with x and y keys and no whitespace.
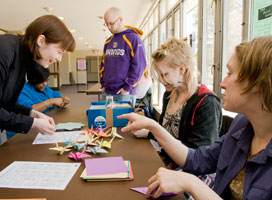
{"x":191,"y":113}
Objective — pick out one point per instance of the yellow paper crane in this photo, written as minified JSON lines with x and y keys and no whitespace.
{"x":105,"y":144}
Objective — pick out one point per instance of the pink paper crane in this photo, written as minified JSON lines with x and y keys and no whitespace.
{"x":79,"y":155}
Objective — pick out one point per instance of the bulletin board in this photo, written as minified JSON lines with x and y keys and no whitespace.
{"x":262,"y":22}
{"x":81,"y":64}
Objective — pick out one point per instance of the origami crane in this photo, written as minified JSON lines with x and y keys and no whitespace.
{"x":78,"y":146}
{"x":79,"y":155}
{"x":102,"y":133}
{"x":96,"y":150}
{"x":60,"y":149}
{"x":90,"y":136}
{"x":105,"y":144}
{"x":68,"y":143}
{"x":115,"y":134}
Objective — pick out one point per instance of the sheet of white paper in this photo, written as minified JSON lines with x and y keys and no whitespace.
{"x":59,"y":137}
{"x":156,"y":145}
{"x":38,"y":175}
{"x":92,"y":107}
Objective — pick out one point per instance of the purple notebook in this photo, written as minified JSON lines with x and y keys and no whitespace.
{"x":102,"y":166}
{"x":143,"y":190}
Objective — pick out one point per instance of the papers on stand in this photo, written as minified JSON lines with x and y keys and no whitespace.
{"x":59,"y":137}
{"x":38,"y":175}
{"x":107,"y":169}
{"x":122,"y":105}
{"x":114,"y":105}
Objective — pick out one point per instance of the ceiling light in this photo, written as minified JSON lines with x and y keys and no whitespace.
{"x":86,"y":43}
{"x":100,"y":17}
{"x":89,"y":46}
{"x":48,"y":9}
{"x":80,"y":38}
{"x":72,"y":30}
{"x":61,"y":18}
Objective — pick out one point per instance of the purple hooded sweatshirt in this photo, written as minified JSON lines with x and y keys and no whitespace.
{"x":123,"y":62}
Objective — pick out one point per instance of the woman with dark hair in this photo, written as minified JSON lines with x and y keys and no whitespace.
{"x":44,"y":42}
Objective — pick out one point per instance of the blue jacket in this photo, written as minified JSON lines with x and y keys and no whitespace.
{"x":123,"y":62}
{"x":228,"y":156}
{"x":30,"y":96}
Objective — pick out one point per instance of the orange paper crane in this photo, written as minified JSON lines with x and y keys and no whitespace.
{"x":101,"y":133}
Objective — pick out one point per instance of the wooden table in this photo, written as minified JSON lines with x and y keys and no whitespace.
{"x":144,"y":160}
{"x":94,"y":90}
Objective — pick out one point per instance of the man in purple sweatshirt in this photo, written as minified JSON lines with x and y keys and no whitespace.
{"x":123,"y":60}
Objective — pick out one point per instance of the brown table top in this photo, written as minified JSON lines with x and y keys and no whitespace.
{"x":144,"y":160}
{"x":95,"y":89}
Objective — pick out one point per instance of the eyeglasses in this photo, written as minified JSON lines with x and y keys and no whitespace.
{"x":111,"y":23}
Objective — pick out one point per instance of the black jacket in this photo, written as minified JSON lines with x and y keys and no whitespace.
{"x":201,"y":118}
{"x":15,"y":61}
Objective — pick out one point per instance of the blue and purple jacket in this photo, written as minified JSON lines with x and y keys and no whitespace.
{"x":123,"y":62}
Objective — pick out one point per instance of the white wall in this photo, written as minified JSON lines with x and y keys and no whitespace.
{"x":68,"y":64}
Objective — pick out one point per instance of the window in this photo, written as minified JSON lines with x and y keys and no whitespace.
{"x":224,"y":25}
{"x":190,"y":24}
{"x":209,"y":45}
{"x":234,"y":10}
{"x":162,"y":9}
{"x":171,"y":4}
{"x":163,"y":32}
{"x":147,"y":51}
{"x":156,"y":16}
{"x":177,"y":24}
{"x":151,"y":22}
{"x":169,"y":28}
{"x":155,"y":92}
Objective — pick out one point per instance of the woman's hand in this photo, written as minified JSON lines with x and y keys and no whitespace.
{"x":44,"y":126}
{"x":167,"y":181}
{"x":37,"y":114}
{"x":170,"y":181}
{"x":43,"y":123}
{"x":137,"y":122}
